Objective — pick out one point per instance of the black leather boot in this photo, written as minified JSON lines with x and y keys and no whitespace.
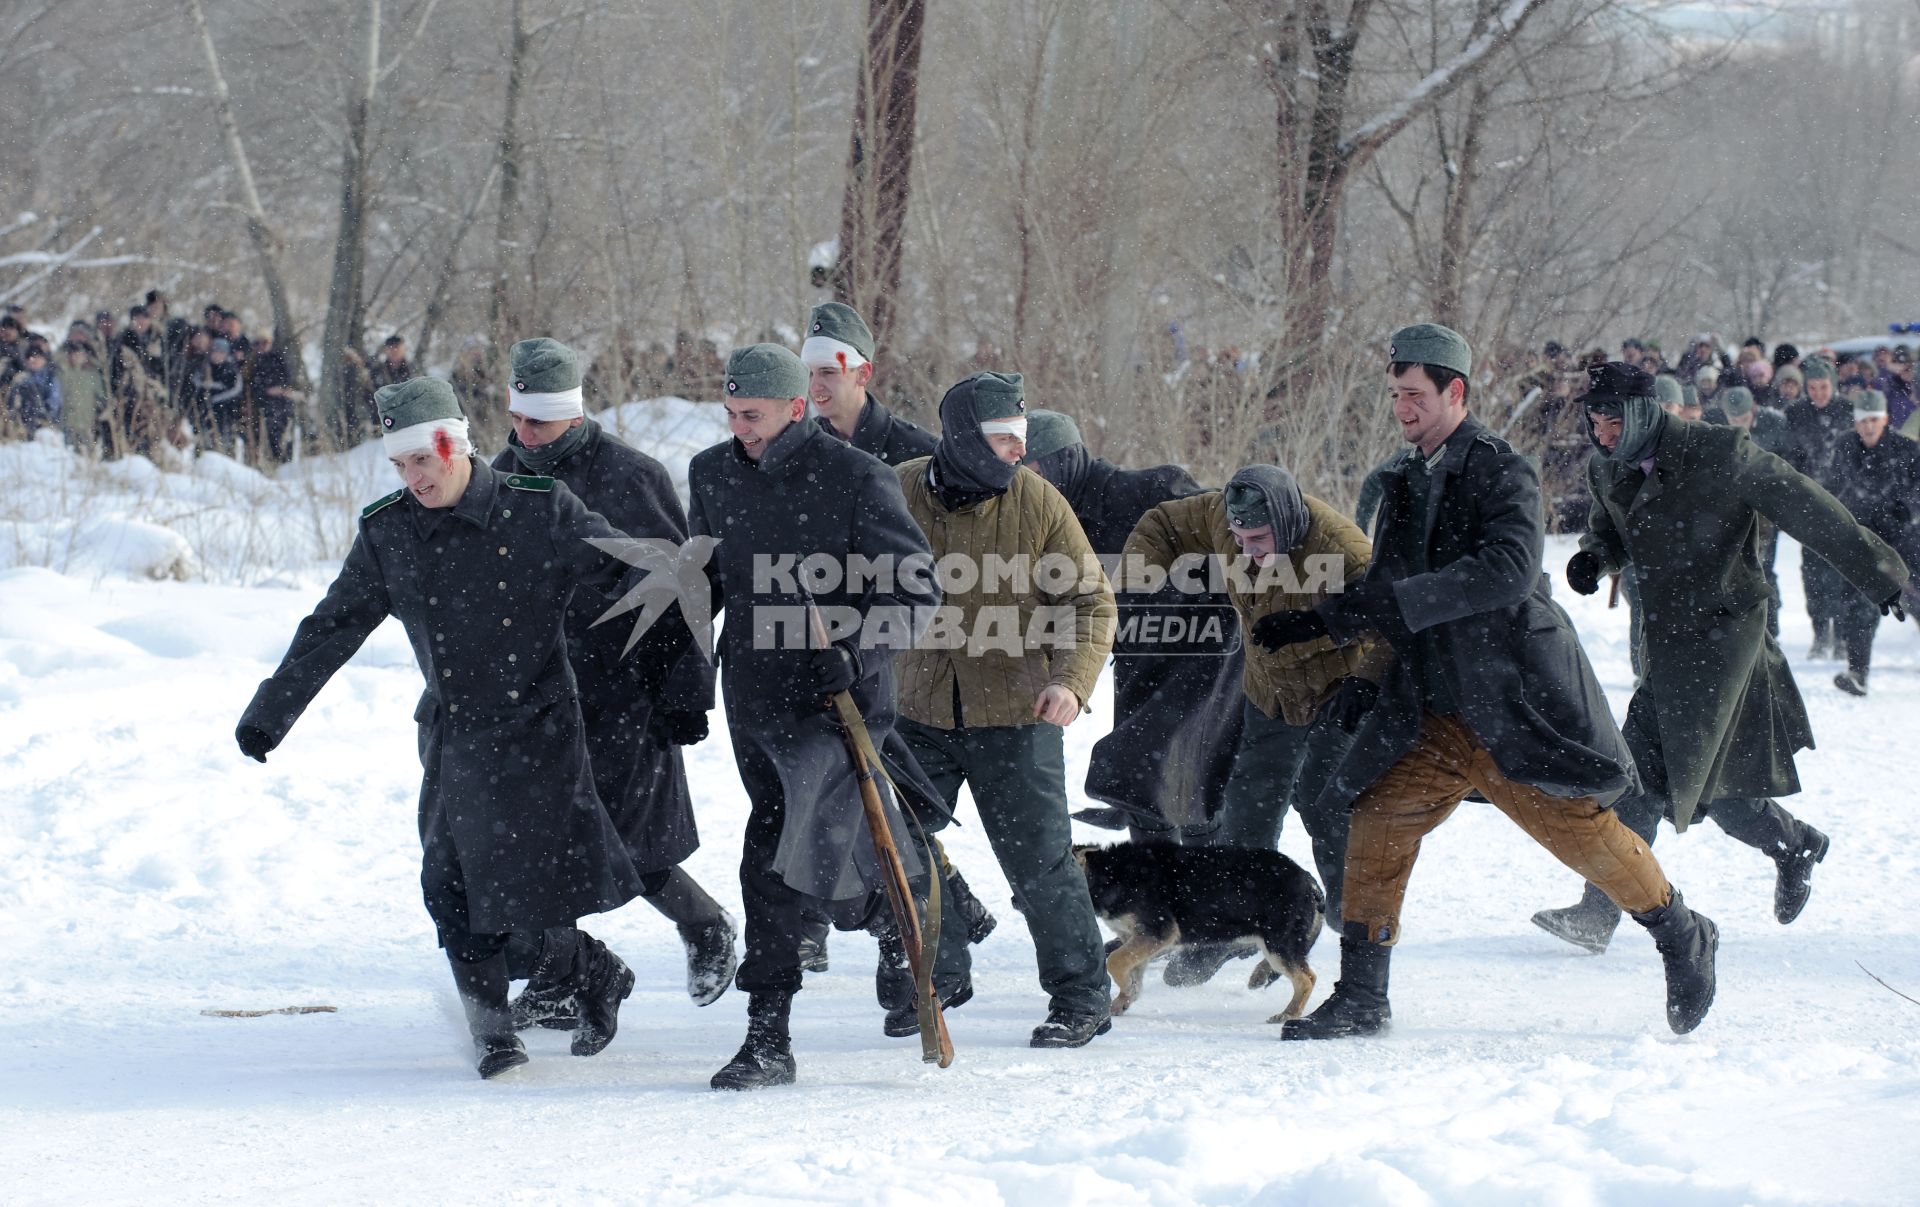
{"x":601,"y":981}
{"x":1688,"y":943}
{"x":706,"y":931}
{"x":547,"y":1001}
{"x":813,"y":942}
{"x":968,"y":908}
{"x":1358,"y":1005}
{"x":766,"y":1058}
{"x":1794,"y":882}
{"x":482,"y":985}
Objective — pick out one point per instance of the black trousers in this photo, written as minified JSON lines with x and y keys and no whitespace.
{"x":776,"y":915}
{"x":1859,"y":620}
{"x":1758,"y":822}
{"x":1827,"y":591}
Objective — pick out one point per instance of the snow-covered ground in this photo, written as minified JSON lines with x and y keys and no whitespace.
{"x":148,"y":871}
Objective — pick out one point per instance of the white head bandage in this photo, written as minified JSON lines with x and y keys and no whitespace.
{"x":567,"y":404}
{"x":825,"y":352}
{"x":420,"y":438}
{"x":1017,"y":426}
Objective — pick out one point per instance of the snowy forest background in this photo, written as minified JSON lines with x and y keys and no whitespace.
{"x":1099,"y":195}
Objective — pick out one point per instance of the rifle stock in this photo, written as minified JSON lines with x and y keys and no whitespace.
{"x":936,"y":1045}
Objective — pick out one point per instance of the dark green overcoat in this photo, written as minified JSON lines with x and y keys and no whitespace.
{"x":1728,"y":713}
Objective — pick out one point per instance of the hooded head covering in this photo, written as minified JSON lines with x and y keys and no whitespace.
{"x":1056,"y":452}
{"x":1269,"y":486}
{"x":965,"y":467}
{"x":1622,"y":391}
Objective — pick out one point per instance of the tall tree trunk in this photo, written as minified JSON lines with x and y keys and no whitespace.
{"x":873,"y":212}
{"x":1463,"y":173}
{"x":1312,"y":191}
{"x":1123,"y":300}
{"x":502,"y":307}
{"x":503,"y":319}
{"x":349,"y":246}
{"x":265,"y":240}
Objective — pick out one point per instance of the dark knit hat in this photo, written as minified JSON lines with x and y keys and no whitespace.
{"x":1736,"y":400}
{"x":1616,"y":381}
{"x":1817,"y":368}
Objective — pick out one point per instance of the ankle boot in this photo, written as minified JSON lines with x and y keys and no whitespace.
{"x":547,"y":1001}
{"x":1688,"y":943}
{"x":601,"y":981}
{"x":813,"y":942}
{"x":1794,"y":882}
{"x":968,"y":908}
{"x":1359,"y":1002}
{"x":706,"y":932}
{"x":766,"y":1058}
{"x":482,"y":986}
{"x":1589,"y":923}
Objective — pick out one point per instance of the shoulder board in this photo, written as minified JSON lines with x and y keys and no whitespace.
{"x":529,"y":482}
{"x":1496,"y":442}
{"x":377,"y":504}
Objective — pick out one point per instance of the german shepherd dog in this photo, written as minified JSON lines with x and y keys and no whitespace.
{"x":1155,"y":895}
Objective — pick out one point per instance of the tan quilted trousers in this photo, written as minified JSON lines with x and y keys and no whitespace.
{"x":1429,"y":782}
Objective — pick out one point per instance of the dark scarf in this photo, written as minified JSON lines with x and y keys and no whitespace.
{"x":1286,"y":506}
{"x":540,"y":460}
{"x":965,"y":469}
{"x":1643,"y":423}
{"x":1067,"y":468}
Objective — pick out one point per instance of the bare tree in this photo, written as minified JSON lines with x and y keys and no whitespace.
{"x":873,"y":215}
{"x":1309,"y":55}
{"x":265,"y":239}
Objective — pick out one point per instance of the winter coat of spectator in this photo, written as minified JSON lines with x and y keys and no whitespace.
{"x":392,"y":367}
{"x":1896,"y":382}
{"x":217,"y":394}
{"x":83,"y":396}
{"x":270,"y":387}
{"x":148,"y":346}
{"x":33,"y":396}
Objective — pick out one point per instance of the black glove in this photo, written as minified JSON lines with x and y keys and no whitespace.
{"x":1355,"y":700}
{"x":1277,"y":629}
{"x":1583,"y":572}
{"x":1890,"y":606}
{"x":681,"y":726}
{"x":254,"y":742}
{"x":1369,"y":605}
{"x":834,"y":670}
